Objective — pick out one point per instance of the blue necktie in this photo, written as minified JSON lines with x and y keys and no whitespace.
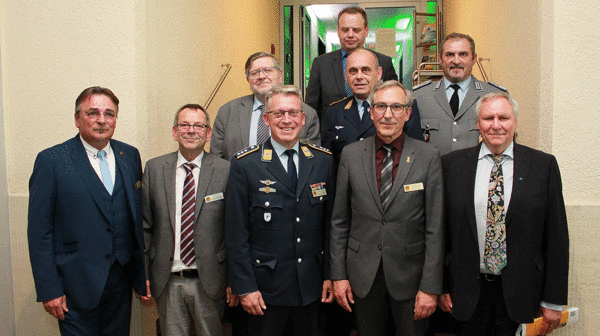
{"x":106,"y":178}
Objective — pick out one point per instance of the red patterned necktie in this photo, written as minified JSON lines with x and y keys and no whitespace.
{"x":188,"y":207}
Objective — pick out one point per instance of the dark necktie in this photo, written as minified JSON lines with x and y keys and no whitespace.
{"x":262,"y":131}
{"x":386,"y":176}
{"x":291,"y":168}
{"x":365,"y":114}
{"x":454,"y":99}
{"x":495,"y":233}
{"x":188,"y":208}
{"x":346,"y":86}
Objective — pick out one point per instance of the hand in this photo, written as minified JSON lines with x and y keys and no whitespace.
{"x":425,"y":304}
{"x":343,"y":294}
{"x":253,"y":303}
{"x":445,"y":303}
{"x":232,"y":299}
{"x":146,"y":300}
{"x":57,"y":307}
{"x":327,"y":293}
{"x":551,"y":320}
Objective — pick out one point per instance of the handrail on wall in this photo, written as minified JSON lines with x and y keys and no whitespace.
{"x":485,"y":77}
{"x":218,"y":86}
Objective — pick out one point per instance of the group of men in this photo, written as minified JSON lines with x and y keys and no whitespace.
{"x":376,"y":219}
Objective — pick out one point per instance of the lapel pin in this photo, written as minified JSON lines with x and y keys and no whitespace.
{"x":408,"y":159}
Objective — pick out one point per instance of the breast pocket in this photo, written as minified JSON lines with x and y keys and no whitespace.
{"x":267,"y":211}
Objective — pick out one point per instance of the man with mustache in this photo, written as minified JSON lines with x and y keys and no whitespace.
{"x":447,"y":107}
{"x":326,"y":83}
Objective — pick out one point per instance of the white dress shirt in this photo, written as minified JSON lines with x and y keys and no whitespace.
{"x":180,"y":173}
{"x":92,"y":154}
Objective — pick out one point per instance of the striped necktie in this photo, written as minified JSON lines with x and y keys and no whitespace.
{"x":188,"y":208}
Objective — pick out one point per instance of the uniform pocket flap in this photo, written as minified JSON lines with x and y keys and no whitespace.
{"x":432,"y":124}
{"x":267,"y":201}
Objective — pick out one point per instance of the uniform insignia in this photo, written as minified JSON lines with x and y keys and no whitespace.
{"x":267,"y":216}
{"x":337,"y":101}
{"x":478,"y":86}
{"x":267,"y":155}
{"x":480,"y":139}
{"x":498,"y":86}
{"x":421,"y":85}
{"x":267,"y":190}
{"x":437,"y":86}
{"x":349,"y":105}
{"x":245,"y":151}
{"x":319,"y":148}
{"x":267,"y":182}
{"x":318,"y":189}
{"x":307,"y":153}
{"x":338,"y":127}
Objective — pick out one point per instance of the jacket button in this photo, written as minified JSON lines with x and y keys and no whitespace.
{"x":298,"y":240}
{"x":379,"y":247}
{"x":267,"y":204}
{"x":297,"y":219}
{"x":257,"y":261}
{"x":299,"y":260}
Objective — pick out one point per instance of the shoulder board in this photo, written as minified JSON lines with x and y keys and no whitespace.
{"x":246,"y":151}
{"x":421,"y":85}
{"x":338,"y":101}
{"x":319,"y":148}
{"x":498,"y":86}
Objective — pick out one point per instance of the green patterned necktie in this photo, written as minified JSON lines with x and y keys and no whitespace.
{"x":495,"y":234}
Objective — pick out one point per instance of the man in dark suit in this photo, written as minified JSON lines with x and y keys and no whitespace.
{"x":349,"y":119}
{"x":183,"y":197}
{"x":326,"y":83}
{"x":508,"y":243}
{"x":278,"y":209}
{"x":447,"y":107}
{"x":85,"y":223}
{"x":239,"y":122}
{"x":387,"y":233}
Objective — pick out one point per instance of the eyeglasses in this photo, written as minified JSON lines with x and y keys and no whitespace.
{"x":92,"y":114}
{"x":268,"y":71}
{"x":194,"y":128}
{"x":397,"y":109}
{"x":278,"y":114}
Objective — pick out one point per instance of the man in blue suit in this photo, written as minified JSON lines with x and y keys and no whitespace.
{"x":85,"y":223}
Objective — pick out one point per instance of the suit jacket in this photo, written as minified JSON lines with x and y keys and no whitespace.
{"x":537,"y":238}
{"x":231,"y":130}
{"x":407,"y":237}
{"x":158,"y":195}
{"x":447,"y":132}
{"x":326,"y":81}
{"x":276,"y":236}
{"x":69,"y":230}
{"x":343,"y":126}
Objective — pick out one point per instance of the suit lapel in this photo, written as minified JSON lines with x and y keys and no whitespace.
{"x":351,"y":114}
{"x":205,"y":176}
{"x":442,"y":99}
{"x":471,"y":159}
{"x":369,"y":169}
{"x":245,"y":116}
{"x":521,"y":166}
{"x":406,"y":161}
{"x":338,"y":72}
{"x":306,"y":167}
{"x":169,"y":172}
{"x":123,"y":164}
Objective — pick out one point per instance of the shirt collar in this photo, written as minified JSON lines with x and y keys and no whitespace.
{"x":484,"y":151}
{"x":93,"y":151}
{"x":279,"y":148}
{"x":256,"y":104}
{"x":181,"y":160}
{"x":345,"y":53}
{"x":398,"y":143}
{"x":464,"y":85}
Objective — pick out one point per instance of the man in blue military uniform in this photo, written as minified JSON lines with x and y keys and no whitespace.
{"x":278,"y":210}
{"x":349,"y":120}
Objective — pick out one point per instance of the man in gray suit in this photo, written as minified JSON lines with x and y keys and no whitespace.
{"x":184,"y":208}
{"x":447,"y":107}
{"x":387,"y":232}
{"x":239,"y":123}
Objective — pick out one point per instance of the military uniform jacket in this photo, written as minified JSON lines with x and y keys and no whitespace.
{"x":277,"y":238}
{"x":442,"y":129}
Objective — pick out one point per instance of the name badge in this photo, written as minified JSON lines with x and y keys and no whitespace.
{"x":413,"y":187}
{"x":213,"y":197}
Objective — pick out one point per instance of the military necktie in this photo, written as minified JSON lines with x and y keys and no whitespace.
{"x":454,"y":103}
{"x":291,"y":168}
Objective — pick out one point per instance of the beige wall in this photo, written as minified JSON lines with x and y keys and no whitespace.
{"x":542,"y":52}
{"x":155,"y":55}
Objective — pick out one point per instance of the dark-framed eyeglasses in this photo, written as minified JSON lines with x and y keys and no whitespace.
{"x":397,"y":109}
{"x":194,"y":127}
{"x":278,"y":114}
{"x":268,"y":71}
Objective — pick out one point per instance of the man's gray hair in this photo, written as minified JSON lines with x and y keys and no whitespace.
{"x":258,"y":55}
{"x":408,"y":97}
{"x":498,"y":95}
{"x":291,"y":90}
{"x":193,"y":107}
